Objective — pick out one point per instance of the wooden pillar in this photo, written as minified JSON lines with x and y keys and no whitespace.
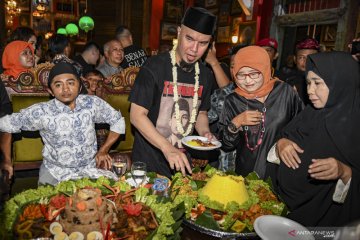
{"x":2,"y":24}
{"x":346,"y":28}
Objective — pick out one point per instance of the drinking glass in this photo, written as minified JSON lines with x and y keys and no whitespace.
{"x":138,"y":173}
{"x":119,"y":166}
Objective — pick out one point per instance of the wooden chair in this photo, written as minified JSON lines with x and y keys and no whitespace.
{"x":115,"y":90}
{"x":27,"y":89}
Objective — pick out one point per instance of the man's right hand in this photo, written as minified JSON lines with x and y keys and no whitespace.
{"x":177,"y":160}
{"x":288,"y":151}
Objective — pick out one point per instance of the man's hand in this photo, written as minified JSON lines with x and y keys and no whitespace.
{"x":211,"y":56}
{"x":247,"y":118}
{"x":103,"y":160}
{"x":7,"y":166}
{"x":177,"y":160}
{"x":329,"y":169}
{"x":288,"y":151}
{"x":357,"y":55}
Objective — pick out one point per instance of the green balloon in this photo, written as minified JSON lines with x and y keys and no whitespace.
{"x":61,"y":31}
{"x":72,"y":29}
{"x":86,"y":23}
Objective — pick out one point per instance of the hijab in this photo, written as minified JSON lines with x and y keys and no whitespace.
{"x":257,"y":58}
{"x":339,"y":119}
{"x":11,"y":55}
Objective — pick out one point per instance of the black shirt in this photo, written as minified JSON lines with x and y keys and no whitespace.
{"x":153,"y":90}
{"x":5,"y":104}
{"x":85,"y":66}
{"x":133,"y":56}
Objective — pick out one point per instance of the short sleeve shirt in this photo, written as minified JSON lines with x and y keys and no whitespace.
{"x":154,"y":90}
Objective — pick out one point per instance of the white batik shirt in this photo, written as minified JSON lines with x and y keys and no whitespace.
{"x":69,"y":135}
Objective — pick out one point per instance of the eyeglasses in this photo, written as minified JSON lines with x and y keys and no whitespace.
{"x":252,"y":75}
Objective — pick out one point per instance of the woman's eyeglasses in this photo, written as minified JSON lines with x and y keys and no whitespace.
{"x":252,"y":75}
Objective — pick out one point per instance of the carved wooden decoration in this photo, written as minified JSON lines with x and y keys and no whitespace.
{"x":32,"y":81}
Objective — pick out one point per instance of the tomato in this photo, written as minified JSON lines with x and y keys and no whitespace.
{"x":133,"y":209}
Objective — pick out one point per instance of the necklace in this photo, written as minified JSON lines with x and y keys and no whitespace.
{"x":176,"y":95}
{"x":262,"y":131}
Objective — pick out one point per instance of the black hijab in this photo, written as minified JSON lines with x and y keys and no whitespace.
{"x":341,"y":119}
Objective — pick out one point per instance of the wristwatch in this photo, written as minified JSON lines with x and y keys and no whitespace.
{"x":233,"y":128}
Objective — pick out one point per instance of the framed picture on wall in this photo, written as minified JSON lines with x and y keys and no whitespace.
{"x":168,"y":31}
{"x":224,"y":14}
{"x":24,"y":19}
{"x":235,"y":8}
{"x":223,"y":34}
{"x":172,"y":11}
{"x":210,"y":3}
{"x":247,"y":32}
{"x":235,"y":26}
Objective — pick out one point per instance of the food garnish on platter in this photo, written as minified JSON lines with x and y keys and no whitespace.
{"x":83,"y":209}
{"x":225,"y":202}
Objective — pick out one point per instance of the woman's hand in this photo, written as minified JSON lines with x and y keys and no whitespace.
{"x":103,"y":160}
{"x":329,"y":169}
{"x":210,"y":136}
{"x":247,"y":118}
{"x":288,"y":151}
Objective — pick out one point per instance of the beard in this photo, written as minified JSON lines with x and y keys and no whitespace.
{"x":186,"y":67}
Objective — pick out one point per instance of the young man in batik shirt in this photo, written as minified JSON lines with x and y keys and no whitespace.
{"x":67,"y":127}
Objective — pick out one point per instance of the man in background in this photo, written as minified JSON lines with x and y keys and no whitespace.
{"x":89,"y":57}
{"x":298,"y":79}
{"x":133,"y":55}
{"x":271,"y":46}
{"x":114,"y":55}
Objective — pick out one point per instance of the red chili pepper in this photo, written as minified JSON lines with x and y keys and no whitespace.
{"x":133,"y":209}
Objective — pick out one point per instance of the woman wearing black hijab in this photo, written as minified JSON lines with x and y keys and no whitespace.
{"x":319,"y":149}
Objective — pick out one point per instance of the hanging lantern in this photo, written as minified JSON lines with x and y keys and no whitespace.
{"x":86,"y":23}
{"x":72,"y":29}
{"x":61,"y":31}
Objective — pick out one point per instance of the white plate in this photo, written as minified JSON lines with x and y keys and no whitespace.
{"x":270,"y":227}
{"x":204,"y":139}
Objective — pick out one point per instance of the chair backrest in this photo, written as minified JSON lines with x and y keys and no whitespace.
{"x":27,"y":151}
{"x":115,"y":91}
{"x":32,"y":81}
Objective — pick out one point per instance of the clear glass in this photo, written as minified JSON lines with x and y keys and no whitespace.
{"x":138,"y":173}
{"x":119,"y":166}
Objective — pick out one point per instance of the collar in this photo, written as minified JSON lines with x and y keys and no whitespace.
{"x":116,"y":68}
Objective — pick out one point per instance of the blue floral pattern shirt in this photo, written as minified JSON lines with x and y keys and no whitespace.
{"x":69,"y":135}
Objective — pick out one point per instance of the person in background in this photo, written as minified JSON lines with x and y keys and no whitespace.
{"x":256,"y":111}
{"x":92,"y":80}
{"x":289,"y":68}
{"x":21,"y":34}
{"x":5,"y":138}
{"x":60,"y":48}
{"x":226,"y":159}
{"x":114,"y":55}
{"x":133,"y":55}
{"x":38,"y":51}
{"x":89,"y":57}
{"x":18,"y":57}
{"x":24,"y":34}
{"x":318,"y":152}
{"x":66,"y":125}
{"x":271,"y":46}
{"x":164,"y":80}
{"x":297,"y":80}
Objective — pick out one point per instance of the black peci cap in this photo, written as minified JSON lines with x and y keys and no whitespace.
{"x":200,"y":20}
